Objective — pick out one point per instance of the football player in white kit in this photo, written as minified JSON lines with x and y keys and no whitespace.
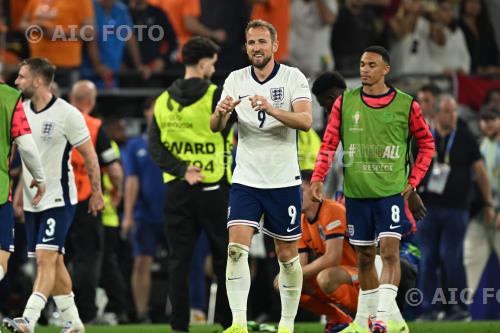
{"x":272,"y":101}
{"x":56,"y":127}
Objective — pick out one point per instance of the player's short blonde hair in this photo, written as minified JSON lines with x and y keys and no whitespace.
{"x":263,"y":24}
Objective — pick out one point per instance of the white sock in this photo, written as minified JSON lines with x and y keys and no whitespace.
{"x":67,"y":308}
{"x":34,"y":307}
{"x":395,"y":313}
{"x":386,"y":301}
{"x":238,"y":282}
{"x":290,"y":285}
{"x":367,"y":306}
{"x":2,"y":273}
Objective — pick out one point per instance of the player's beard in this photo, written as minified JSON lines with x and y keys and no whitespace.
{"x":28,"y":92}
{"x":262,"y":63}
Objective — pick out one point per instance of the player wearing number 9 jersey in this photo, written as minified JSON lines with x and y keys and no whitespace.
{"x":272,"y":101}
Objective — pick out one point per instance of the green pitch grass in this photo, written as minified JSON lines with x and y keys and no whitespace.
{"x":429,"y":327}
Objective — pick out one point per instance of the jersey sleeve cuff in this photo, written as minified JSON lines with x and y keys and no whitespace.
{"x":81,"y":141}
{"x":317,"y":178}
{"x":413,"y":182}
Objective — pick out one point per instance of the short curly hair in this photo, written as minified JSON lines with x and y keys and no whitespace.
{"x":197,"y":48}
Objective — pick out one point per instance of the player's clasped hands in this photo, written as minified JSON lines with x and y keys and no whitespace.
{"x":227,"y":105}
{"x":260,"y":103}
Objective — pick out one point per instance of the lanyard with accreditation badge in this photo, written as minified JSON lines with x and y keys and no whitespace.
{"x":440,"y":171}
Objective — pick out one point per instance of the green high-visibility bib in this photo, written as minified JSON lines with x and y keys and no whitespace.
{"x":8,"y":102}
{"x":376,"y":145}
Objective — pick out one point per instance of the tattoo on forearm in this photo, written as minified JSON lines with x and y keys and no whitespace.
{"x":94,"y":175}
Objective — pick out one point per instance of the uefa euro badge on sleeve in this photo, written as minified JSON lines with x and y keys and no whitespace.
{"x":439,"y":177}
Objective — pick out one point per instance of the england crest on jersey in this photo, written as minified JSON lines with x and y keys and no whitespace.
{"x":277,"y":94}
{"x":47,"y":130}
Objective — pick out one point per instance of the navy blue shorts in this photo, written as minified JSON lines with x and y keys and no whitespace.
{"x":146,"y":236}
{"x":371,"y":219}
{"x":47,"y":229}
{"x":6,"y":227}
{"x":281,"y":208}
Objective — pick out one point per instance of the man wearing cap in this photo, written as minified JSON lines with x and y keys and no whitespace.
{"x":482,"y":236}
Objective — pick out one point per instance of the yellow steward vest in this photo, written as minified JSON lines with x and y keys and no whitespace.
{"x":185,"y":132}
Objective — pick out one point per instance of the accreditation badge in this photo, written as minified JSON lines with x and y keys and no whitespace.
{"x":439,"y":178}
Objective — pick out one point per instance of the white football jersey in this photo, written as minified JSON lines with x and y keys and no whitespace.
{"x":56,"y":129}
{"x":267,"y":149}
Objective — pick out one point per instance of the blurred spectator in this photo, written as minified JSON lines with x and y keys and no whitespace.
{"x":112,"y":279}
{"x":471,"y":90}
{"x":447,"y":192}
{"x":492,"y":97}
{"x":56,"y":29}
{"x":411,"y":33}
{"x":14,"y":10}
{"x":105,"y":52}
{"x":482,"y":238}
{"x":310,"y":34}
{"x":427,"y":97}
{"x":453,"y":56}
{"x":16,"y":46}
{"x":156,"y":53}
{"x":85,"y":241}
{"x":144,"y":199}
{"x":352,"y":33}
{"x":276,"y":12}
{"x":476,"y":25}
{"x":494,"y":9}
{"x":185,"y":18}
{"x":214,"y":14}
{"x":382,"y":11}
{"x":391,"y":9}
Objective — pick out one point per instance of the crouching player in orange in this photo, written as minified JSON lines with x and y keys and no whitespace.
{"x":331,"y":279}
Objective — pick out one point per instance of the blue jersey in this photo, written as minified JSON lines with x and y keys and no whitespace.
{"x":151,"y":198}
{"x":112,"y":31}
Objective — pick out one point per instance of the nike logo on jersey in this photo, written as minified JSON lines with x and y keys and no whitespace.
{"x":45,"y":240}
{"x":235,"y":278}
{"x":290,"y":230}
{"x":394,"y":226}
{"x":240,"y":97}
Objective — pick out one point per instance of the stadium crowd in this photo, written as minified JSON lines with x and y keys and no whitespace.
{"x":121,"y":261}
